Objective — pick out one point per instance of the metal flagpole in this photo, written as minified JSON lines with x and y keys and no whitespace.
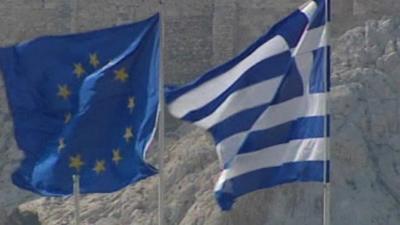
{"x":326,"y":191}
{"x":74,"y":8}
{"x":75,"y":179}
{"x":161,"y":124}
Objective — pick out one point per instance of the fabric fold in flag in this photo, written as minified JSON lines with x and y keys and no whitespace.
{"x":84,"y":104}
{"x":266,"y":108}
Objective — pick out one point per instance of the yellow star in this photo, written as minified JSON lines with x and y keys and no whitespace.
{"x":76,"y":162}
{"x":121,"y":75}
{"x":116,"y":156}
{"x":100,"y":166}
{"x":78,"y":70}
{"x":67,"y":118}
{"x":63,"y":91}
{"x":128,"y":134}
{"x":61,"y":144}
{"x":131,"y":103}
{"x":94,"y":60}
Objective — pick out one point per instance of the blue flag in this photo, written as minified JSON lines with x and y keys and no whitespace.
{"x":84,"y":104}
{"x":266,"y":108}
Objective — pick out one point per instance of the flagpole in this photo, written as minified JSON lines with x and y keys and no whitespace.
{"x":161,"y":124}
{"x":326,"y":191}
{"x":76,"y":187}
{"x":75,"y":178}
{"x":73,"y":22}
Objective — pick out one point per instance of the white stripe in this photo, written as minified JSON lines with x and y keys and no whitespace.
{"x":228,"y":148}
{"x":309,"y":9}
{"x":313,"y":39}
{"x":255,"y":95}
{"x":208,"y":91}
{"x":294,"y":151}
{"x":305,"y":64}
{"x":303,"y":106}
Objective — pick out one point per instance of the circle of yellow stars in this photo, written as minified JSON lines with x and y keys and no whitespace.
{"x":116,"y":156}
{"x":76,"y":162}
{"x":94,"y":60}
{"x":100,"y":166}
{"x":128,"y":134}
{"x":131,"y":104}
{"x":63,"y":91}
{"x":121,"y":75}
{"x":79,"y":70}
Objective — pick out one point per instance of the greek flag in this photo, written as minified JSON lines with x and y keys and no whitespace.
{"x":266,"y":108}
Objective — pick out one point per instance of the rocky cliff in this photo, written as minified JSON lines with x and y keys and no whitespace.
{"x":364,"y":105}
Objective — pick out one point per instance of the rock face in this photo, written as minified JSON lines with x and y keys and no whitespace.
{"x":364,"y":104}
{"x":365,"y":158}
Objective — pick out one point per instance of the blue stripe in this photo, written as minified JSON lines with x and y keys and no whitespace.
{"x":328,"y":81}
{"x":241,"y":121}
{"x":268,"y":177}
{"x":319,"y":18}
{"x":291,"y":28}
{"x":329,"y":9}
{"x":265,"y":70}
{"x":328,"y":126}
{"x":318,"y":73}
{"x":302,"y":128}
{"x":290,"y":87}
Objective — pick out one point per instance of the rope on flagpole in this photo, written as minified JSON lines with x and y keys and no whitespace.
{"x":326,"y":188}
{"x":161,"y":124}
{"x":75,"y":179}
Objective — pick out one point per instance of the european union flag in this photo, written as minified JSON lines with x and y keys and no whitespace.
{"x":84,"y":104}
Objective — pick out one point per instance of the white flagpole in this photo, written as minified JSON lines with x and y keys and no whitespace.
{"x":74,"y":19}
{"x":161,"y":124}
{"x":75,"y":179}
{"x":326,"y":191}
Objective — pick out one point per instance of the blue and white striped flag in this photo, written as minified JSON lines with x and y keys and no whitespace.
{"x":266,"y":108}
